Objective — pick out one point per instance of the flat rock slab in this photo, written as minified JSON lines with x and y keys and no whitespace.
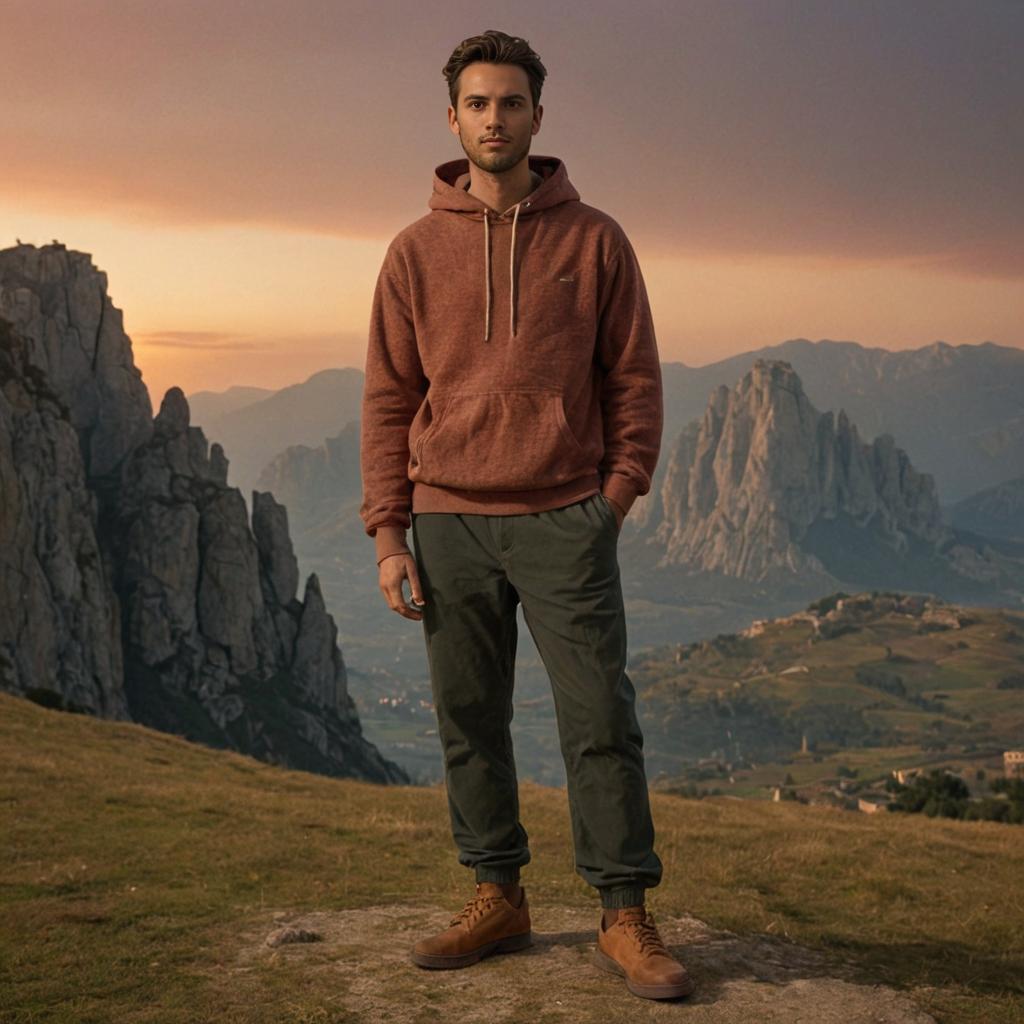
{"x":361,"y":957}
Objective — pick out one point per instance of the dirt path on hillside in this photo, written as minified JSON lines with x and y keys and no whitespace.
{"x":361,"y":965}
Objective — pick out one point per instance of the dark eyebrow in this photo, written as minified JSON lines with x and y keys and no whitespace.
{"x":510,"y":96}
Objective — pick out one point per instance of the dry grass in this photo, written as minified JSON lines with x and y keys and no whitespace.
{"x":135,"y":864}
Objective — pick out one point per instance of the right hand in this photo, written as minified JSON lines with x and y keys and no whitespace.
{"x":393,"y":571}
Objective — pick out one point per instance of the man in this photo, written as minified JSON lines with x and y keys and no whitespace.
{"x":512,"y":413}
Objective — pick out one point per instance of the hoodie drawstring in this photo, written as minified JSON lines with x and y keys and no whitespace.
{"x":487,"y":276}
{"x":511,"y":275}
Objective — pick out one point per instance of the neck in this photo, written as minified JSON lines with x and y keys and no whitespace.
{"x":502,"y":191}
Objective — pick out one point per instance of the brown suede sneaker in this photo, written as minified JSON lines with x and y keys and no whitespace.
{"x":487,"y":924}
{"x":632,"y":947}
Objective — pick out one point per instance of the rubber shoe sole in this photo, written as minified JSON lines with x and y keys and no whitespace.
{"x":606,"y":963}
{"x":438,"y":961}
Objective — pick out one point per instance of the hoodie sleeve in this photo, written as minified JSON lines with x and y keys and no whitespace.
{"x":393,"y":390}
{"x":631,"y":395}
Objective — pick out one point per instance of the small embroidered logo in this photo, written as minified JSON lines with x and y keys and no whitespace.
{"x":569,"y":279}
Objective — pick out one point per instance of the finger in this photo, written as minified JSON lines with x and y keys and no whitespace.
{"x":407,"y":612}
{"x":414,"y":584}
{"x":400,"y":606}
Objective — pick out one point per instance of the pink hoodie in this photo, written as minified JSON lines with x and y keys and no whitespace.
{"x":512,"y":364}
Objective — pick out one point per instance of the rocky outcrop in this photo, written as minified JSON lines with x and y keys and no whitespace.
{"x":132,"y":583}
{"x":746,"y":485}
{"x":957,"y":410}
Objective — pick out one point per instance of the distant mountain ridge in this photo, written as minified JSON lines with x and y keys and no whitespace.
{"x":996,"y":511}
{"x":209,"y":406}
{"x":817,"y":501}
{"x":299,"y":414}
{"x":317,"y":482}
{"x":956,"y":410}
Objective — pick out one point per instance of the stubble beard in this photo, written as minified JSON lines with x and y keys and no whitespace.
{"x":497,"y":162}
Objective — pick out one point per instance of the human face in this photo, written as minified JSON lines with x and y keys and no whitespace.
{"x":494,"y":101}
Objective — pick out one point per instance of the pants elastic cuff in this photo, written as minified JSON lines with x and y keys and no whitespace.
{"x":499,"y":875}
{"x":630,"y":896}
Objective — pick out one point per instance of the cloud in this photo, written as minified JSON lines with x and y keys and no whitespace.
{"x":203,"y":340}
{"x":813,"y":128}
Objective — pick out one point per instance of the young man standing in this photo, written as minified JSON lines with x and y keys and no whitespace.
{"x":512,"y":413}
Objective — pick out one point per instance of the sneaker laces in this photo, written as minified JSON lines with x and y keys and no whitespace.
{"x":645,"y":932}
{"x":475,"y":908}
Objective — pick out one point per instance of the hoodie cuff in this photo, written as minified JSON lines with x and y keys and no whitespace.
{"x":390,"y":540}
{"x":620,"y":489}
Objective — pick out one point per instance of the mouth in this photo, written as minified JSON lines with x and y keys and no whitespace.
{"x":495,"y":142}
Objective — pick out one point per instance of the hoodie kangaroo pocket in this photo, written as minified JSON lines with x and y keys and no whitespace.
{"x":499,"y":441}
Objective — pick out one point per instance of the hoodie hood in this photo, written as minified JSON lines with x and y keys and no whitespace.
{"x":451,"y":180}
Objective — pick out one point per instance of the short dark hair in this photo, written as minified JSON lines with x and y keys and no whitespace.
{"x":494,"y":47}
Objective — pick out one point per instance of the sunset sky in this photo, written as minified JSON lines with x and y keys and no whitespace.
{"x":845,"y":169}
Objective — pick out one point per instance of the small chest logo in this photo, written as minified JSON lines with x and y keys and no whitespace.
{"x":569,"y":279}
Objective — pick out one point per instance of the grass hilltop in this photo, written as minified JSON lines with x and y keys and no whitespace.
{"x":142,"y":875}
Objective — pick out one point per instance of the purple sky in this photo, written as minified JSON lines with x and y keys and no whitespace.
{"x":827,"y":168}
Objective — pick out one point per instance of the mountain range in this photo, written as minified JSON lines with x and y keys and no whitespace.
{"x":149,"y":573}
{"x":956,"y":410}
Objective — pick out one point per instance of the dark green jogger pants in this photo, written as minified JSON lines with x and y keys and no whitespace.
{"x":562,"y":565}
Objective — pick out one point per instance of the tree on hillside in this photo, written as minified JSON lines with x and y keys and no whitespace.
{"x":937,"y":794}
{"x":943,"y":794}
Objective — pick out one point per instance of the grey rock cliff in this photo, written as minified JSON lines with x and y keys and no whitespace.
{"x":59,"y":627}
{"x":746,"y":484}
{"x":957,"y":410}
{"x":132,"y":584}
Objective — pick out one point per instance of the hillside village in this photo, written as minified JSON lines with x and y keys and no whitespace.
{"x":899,"y":670}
